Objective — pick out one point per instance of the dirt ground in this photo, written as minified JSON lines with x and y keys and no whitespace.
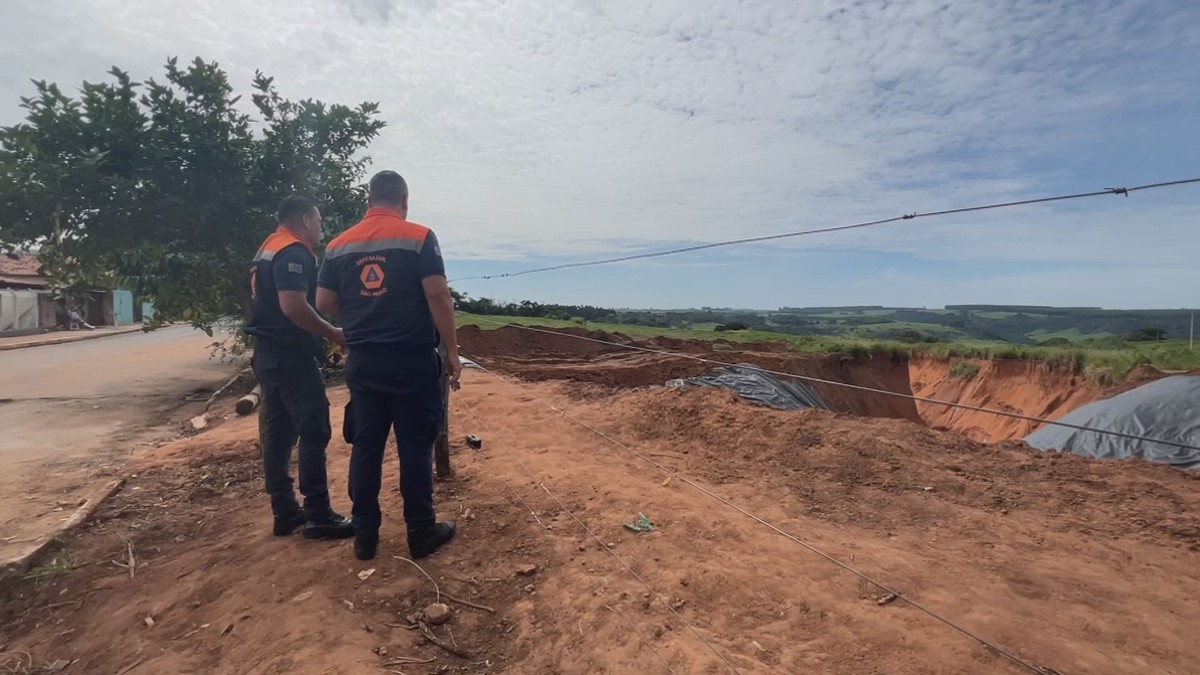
{"x":1073,"y":565}
{"x":71,"y":415}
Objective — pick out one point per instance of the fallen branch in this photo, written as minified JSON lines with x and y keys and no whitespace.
{"x":133,"y":665}
{"x":457,"y":651}
{"x":132,"y":560}
{"x":436,"y":588}
{"x":204,"y":522}
{"x":78,"y":603}
{"x":407,"y":661}
{"x":215,"y":394}
{"x":468,"y":603}
{"x":190,"y":633}
{"x":18,"y":666}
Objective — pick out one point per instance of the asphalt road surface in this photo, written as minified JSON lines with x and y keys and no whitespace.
{"x":72,"y":414}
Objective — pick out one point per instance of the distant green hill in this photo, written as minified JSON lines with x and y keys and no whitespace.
{"x":1007,"y":323}
{"x":970,"y":324}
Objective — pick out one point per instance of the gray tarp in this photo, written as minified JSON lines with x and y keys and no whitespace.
{"x":752,"y":384}
{"x":1168,"y":409}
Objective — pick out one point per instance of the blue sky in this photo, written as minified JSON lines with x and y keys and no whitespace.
{"x":538,"y":132}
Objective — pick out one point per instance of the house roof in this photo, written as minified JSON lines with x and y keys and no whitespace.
{"x":23,"y":281}
{"x":20,"y":264}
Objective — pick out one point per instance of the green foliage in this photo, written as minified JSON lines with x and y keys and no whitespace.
{"x":1147,"y":335}
{"x":168,"y":187}
{"x":910,"y":336}
{"x":964,"y":370}
{"x":731,"y":326}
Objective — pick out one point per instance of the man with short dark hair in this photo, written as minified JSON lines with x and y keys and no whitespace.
{"x":386,"y":280}
{"x":288,"y":332}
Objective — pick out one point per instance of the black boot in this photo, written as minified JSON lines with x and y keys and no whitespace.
{"x":328,"y":525}
{"x":288,"y":523}
{"x":365,"y":544}
{"x":423,"y":542}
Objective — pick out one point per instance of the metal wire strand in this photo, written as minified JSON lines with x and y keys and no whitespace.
{"x":838,"y":228}
{"x":845,"y":566}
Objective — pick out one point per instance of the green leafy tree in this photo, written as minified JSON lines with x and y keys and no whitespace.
{"x":1147,"y":335}
{"x":168,"y":186}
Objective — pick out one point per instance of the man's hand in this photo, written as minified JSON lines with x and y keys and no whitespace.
{"x":296,"y":308}
{"x":453,"y":370}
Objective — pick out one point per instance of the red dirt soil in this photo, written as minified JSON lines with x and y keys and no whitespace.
{"x":1030,"y":388}
{"x":1076,"y":565}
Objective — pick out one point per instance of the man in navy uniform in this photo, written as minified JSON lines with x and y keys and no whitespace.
{"x":386,"y":280}
{"x":288,"y":332}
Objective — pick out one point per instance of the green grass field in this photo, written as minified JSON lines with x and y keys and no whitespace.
{"x":1074,"y":335}
{"x":1103,"y":363}
{"x":936,"y":330}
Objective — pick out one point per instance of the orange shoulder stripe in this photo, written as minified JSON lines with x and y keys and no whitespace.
{"x":277,"y":241}
{"x":378,"y":233}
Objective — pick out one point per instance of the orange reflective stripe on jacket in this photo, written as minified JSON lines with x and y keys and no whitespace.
{"x":279,"y":240}
{"x":380,"y":230}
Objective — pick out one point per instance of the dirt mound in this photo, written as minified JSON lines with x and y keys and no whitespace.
{"x":515,"y":342}
{"x":1143,"y":374}
{"x":879,"y":473}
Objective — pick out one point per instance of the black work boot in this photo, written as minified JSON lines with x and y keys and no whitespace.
{"x":423,"y":542}
{"x":328,"y":525}
{"x":288,"y":517}
{"x":285,"y":525}
{"x":366,"y":542}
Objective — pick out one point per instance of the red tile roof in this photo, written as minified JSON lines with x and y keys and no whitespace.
{"x":19,"y":264}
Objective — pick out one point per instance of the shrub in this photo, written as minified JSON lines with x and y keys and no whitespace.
{"x":1147,"y":335}
{"x":964,"y":370}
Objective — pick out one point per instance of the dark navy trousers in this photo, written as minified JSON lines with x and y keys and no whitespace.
{"x":293,"y":408}
{"x":399,"y":391}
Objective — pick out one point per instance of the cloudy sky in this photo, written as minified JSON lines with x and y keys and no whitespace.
{"x":536,"y":132}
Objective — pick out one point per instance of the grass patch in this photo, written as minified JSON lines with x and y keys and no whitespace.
{"x":1109,"y":359}
{"x":1072,"y":335}
{"x":964,"y":370}
{"x":45,"y":574}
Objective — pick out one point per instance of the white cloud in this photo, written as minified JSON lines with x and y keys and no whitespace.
{"x":530,"y":128}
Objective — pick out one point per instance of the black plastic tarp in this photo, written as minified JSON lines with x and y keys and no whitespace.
{"x":752,"y":384}
{"x":1168,"y":409}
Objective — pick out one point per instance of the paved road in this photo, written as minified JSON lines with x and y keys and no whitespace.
{"x":71,"y":414}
